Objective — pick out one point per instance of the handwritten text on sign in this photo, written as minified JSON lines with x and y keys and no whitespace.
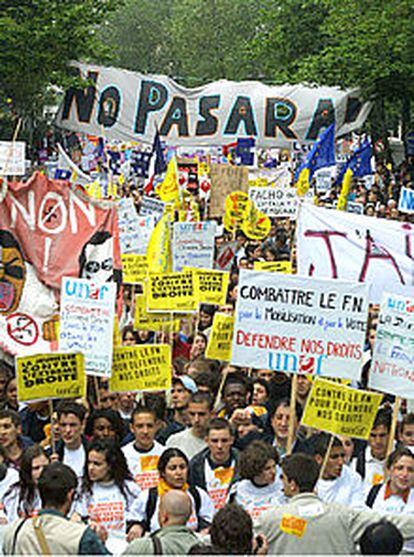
{"x":299,"y":325}
{"x":141,"y":368}
{"x":392,"y":367}
{"x":341,"y":410}
{"x":193,"y":244}
{"x":45,"y":376}
{"x":87,"y":313}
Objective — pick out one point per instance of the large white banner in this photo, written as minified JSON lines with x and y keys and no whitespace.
{"x":392,"y":366}
{"x":336,"y":244}
{"x":130,"y":106}
{"x":299,"y":325}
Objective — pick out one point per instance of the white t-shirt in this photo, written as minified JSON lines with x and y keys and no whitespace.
{"x":107,"y":505}
{"x":143,"y":464}
{"x":75,"y":459}
{"x":15,"y":508}
{"x":218,"y":481}
{"x":256,"y":499}
{"x":206,"y":511}
{"x":187,"y":442}
{"x":346,"y":490}
{"x":374,"y":470}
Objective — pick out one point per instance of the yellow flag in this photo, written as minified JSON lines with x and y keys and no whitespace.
{"x":346,"y":186}
{"x":302,"y":185}
{"x":168,"y":190}
{"x":159,"y":247}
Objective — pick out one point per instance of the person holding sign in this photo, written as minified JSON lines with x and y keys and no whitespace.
{"x":107,"y":491}
{"x":338,"y":484}
{"x":306,"y":525}
{"x":143,"y":453}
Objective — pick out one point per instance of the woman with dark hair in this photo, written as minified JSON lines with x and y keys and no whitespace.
{"x":107,"y":489}
{"x":10,"y":400}
{"x":198,"y":345}
{"x":259,"y":487}
{"x":129,"y":336}
{"x":22,"y":498}
{"x":105,"y":424}
{"x":173,"y":468}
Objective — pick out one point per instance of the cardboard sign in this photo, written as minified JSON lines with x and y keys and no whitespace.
{"x":150,"y":206}
{"x":87,"y":312}
{"x":46,"y":376}
{"x":151,"y":321}
{"x":12,"y":158}
{"x":336,"y":244}
{"x":193,"y":245}
{"x":134,"y":268}
{"x":341,"y":410}
{"x":225,"y":179}
{"x":392,"y":366}
{"x":220,"y":340}
{"x":146,"y":367}
{"x":300,"y":325}
{"x":274,"y":266}
{"x":171,"y":292}
{"x":211,"y":286}
{"x":406,"y":201}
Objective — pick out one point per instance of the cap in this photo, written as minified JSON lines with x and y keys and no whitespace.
{"x":187,"y":382}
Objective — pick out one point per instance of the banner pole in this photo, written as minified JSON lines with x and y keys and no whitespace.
{"x":218,"y":397}
{"x":325,"y":460}
{"x":393,"y":429}
{"x":52,"y":427}
{"x":98,"y":396}
{"x":292,"y":413}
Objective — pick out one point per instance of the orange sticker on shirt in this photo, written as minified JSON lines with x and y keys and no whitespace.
{"x":377,"y":479}
{"x":224,"y":475}
{"x":149,"y":463}
{"x":293,"y":525}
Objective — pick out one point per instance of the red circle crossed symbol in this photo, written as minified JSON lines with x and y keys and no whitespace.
{"x":22,"y":328}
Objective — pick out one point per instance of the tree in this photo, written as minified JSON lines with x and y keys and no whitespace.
{"x":39,"y":38}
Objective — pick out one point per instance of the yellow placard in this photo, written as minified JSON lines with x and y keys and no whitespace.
{"x":134,"y":268}
{"x":151,"y":321}
{"x":171,"y":292}
{"x":341,"y":410}
{"x":45,"y":376}
{"x":211,"y":286}
{"x":219,"y":342}
{"x":274,"y":266}
{"x":256,"y":225}
{"x":146,"y":367}
{"x":117,"y":339}
{"x":293,"y":525}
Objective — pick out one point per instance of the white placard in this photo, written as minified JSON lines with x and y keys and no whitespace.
{"x":193,"y":245}
{"x":12,"y":158}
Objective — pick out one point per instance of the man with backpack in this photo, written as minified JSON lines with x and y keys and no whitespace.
{"x":173,"y":537}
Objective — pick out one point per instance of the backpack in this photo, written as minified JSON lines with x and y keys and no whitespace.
{"x":152,"y":503}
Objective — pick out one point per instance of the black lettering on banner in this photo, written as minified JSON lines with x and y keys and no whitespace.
{"x":152,"y":98}
{"x":280,"y":113}
{"x":84,"y":99}
{"x":109,"y":105}
{"x":176,"y":116}
{"x":324,"y":116}
{"x":242,"y":111}
{"x":353,"y":108}
{"x":209,"y":125}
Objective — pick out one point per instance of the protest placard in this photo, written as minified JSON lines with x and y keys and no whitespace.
{"x":193,"y":245}
{"x":220,"y":339}
{"x":171,"y":292}
{"x":134,"y":268}
{"x":323,"y":178}
{"x":226,"y":252}
{"x":46,"y":376}
{"x":341,"y":410}
{"x":274,"y":266}
{"x":12,"y":158}
{"x":278,"y":201}
{"x":225,"y":179}
{"x":406,"y":201}
{"x":152,"y":321}
{"x":134,"y":231}
{"x":336,"y":244}
{"x":392,"y":366}
{"x":146,"y":367}
{"x":87,"y":312}
{"x":211,"y":286}
{"x":300,"y":325}
{"x":151,"y":206}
